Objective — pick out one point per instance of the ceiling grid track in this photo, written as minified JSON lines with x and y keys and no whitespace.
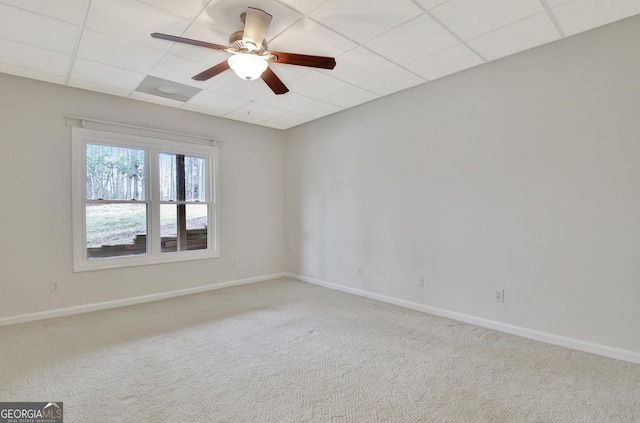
{"x":553,"y":18}
{"x":76,"y":44}
{"x":382,"y":47}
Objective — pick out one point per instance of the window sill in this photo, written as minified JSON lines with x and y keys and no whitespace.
{"x":143,"y":260}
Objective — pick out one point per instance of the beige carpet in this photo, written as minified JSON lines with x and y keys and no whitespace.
{"x":286,"y":351}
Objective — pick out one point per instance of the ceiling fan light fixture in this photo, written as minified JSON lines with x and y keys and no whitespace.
{"x":247,"y":66}
{"x":250,"y":54}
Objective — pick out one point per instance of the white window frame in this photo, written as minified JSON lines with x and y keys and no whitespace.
{"x":153,"y":146}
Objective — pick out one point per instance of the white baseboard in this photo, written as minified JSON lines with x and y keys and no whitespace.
{"x":85,"y":308}
{"x":550,"y":338}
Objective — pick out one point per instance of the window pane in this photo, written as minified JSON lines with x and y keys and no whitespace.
{"x":168,"y":183}
{"x":169,"y":228}
{"x":195,"y":179}
{"x":171,"y":171}
{"x":196,"y":218}
{"x":114,"y":173}
{"x":116,"y":230}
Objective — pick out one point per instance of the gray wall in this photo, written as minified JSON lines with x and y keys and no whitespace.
{"x":35,"y":184}
{"x":522,"y":174}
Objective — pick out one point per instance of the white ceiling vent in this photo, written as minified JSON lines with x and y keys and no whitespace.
{"x":168,"y":89}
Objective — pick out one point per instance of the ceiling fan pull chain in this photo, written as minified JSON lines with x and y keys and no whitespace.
{"x":250,"y":94}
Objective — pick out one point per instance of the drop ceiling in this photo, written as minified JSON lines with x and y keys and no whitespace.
{"x":380,"y":46}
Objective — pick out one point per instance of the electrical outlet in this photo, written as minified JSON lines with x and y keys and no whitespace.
{"x":55,"y":286}
{"x":498,"y":295}
{"x":359,"y":270}
{"x":421,"y":281}
{"x":234,"y":264}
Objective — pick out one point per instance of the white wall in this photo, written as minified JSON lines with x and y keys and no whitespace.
{"x":35,"y":186}
{"x":522,"y":174}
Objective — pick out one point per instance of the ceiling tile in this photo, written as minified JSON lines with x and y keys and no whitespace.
{"x":200,"y":54}
{"x":203,"y":109}
{"x":289,"y":119}
{"x":107,"y":16}
{"x":244,"y":118}
{"x":430,"y":4}
{"x":110,"y":76}
{"x":32,"y":74}
{"x":359,"y":65}
{"x":223,"y":16}
{"x":201,"y":32}
{"x":274,"y":125}
{"x":411,"y":41}
{"x":581,"y":15}
{"x":205,"y":56}
{"x":289,"y":101}
{"x":520,"y":36}
{"x":114,"y":51}
{"x":137,"y":95}
{"x":180,"y":70}
{"x":91,"y":86}
{"x":350,"y":97}
{"x":554,"y":3}
{"x":309,"y":37}
{"x":451,"y":60}
{"x":304,"y":6}
{"x":258,"y":111}
{"x":71,"y":11}
{"x":187,"y":9}
{"x":318,"y":109}
{"x":317,"y":85}
{"x":229,"y":84}
{"x":362,"y":21}
{"x":396,"y":80}
{"x":470,"y":18}
{"x":288,"y":73}
{"x":34,"y":58}
{"x":37,"y":30}
{"x":217,"y":101}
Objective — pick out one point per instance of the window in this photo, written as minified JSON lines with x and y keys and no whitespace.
{"x":141,"y":200}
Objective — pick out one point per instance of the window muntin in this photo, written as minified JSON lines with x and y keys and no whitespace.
{"x":140,"y":198}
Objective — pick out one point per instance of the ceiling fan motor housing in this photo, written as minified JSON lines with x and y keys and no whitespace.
{"x":237,"y":43}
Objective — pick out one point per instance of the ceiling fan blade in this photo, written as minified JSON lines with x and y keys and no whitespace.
{"x":256,"y":23}
{"x":272,"y":80}
{"x":188,"y":41}
{"x":211,"y":72}
{"x":303,"y":60}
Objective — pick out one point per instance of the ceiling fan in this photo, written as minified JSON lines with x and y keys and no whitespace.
{"x":250,"y":55}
